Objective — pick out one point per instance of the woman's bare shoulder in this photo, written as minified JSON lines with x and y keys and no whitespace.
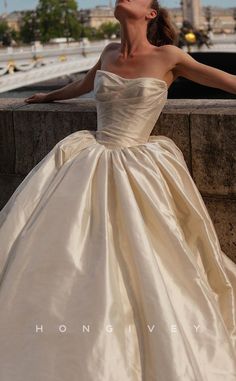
{"x":171,"y":50}
{"x":175,"y":52}
{"x":174,"y":55}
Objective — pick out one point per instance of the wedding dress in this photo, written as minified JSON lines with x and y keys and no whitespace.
{"x":111,"y":269}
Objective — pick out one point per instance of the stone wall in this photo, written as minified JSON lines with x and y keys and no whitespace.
{"x":204,"y":130}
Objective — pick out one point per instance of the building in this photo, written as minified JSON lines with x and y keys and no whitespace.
{"x":13,"y":19}
{"x":192,"y":12}
{"x":222,"y":19}
{"x":94,"y":17}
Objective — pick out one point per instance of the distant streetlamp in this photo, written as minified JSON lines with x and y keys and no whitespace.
{"x":65,"y":19}
{"x":208,"y":15}
{"x":182,"y":7}
{"x":6,"y":39}
{"x":82,"y":19}
{"x":33,"y":20}
{"x":37,"y":34}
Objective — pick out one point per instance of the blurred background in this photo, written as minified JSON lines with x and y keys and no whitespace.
{"x":47,"y":44}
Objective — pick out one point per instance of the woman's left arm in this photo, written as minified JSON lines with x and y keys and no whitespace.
{"x":188,"y":67}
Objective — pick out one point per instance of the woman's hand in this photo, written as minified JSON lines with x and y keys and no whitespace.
{"x":37,"y":98}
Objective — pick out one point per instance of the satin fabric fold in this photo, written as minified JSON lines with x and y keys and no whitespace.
{"x":110,"y":265}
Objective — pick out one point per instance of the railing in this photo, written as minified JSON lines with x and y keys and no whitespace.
{"x":47,"y":64}
{"x":19,"y":79}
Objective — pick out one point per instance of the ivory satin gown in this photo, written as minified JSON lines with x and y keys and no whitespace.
{"x":111,"y":269}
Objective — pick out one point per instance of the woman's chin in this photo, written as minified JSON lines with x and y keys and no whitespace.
{"x":121,"y":9}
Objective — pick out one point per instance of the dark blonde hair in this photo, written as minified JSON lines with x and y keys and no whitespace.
{"x":161,"y":30}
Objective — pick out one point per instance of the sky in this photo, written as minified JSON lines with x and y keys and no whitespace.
{"x":14,"y":5}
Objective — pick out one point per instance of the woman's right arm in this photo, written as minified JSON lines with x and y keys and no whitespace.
{"x":74,"y":89}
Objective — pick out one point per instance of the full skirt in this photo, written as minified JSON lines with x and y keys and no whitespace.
{"x":111,"y":270}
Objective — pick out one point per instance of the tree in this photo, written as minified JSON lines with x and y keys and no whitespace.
{"x":16,"y":37}
{"x":107,"y":29}
{"x":3,"y":28}
{"x":30,"y":24}
{"x":5,"y":33}
{"x":58,"y":18}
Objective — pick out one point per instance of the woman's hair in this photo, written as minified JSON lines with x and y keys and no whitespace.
{"x":161,"y":30}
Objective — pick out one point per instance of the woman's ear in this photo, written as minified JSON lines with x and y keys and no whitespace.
{"x":152,"y":15}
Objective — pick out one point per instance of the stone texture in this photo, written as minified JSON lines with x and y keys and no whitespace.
{"x":175,"y":126}
{"x":7,"y":142}
{"x":10,"y":103}
{"x":190,"y":105}
{"x":213,"y":143}
{"x":223,"y":214}
{"x":39,"y":127}
{"x":8,"y":184}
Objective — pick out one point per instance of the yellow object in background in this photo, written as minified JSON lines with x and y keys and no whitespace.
{"x":190,"y":37}
{"x":62,"y":58}
{"x":11,"y":66}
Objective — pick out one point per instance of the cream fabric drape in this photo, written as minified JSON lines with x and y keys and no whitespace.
{"x":111,"y":269}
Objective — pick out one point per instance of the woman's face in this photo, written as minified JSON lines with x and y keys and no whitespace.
{"x":135,"y":9}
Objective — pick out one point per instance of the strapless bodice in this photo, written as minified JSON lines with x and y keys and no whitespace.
{"x":127,"y":109}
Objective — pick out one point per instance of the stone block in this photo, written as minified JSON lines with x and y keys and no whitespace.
{"x":213,"y":145}
{"x":7,"y":142}
{"x":223,"y":214}
{"x":175,"y":126}
{"x":8,"y":184}
{"x":38,"y":127}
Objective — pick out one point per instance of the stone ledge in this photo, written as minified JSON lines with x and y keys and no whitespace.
{"x":204,"y":130}
{"x":89,"y":104}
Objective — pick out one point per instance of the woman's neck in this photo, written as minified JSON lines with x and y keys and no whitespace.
{"x":133,"y":40}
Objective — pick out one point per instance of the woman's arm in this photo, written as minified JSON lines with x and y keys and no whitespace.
{"x":74,"y":89}
{"x":188,"y":67}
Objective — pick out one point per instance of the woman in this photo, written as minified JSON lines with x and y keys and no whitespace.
{"x":111,"y":267}
{"x":146,"y":49}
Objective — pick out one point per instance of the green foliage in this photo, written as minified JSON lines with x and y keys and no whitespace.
{"x":16,"y":36}
{"x":29,"y":27}
{"x":53,"y":19}
{"x":89,"y":32}
{"x":107,"y":29}
{"x":6,"y":34}
{"x":3,"y":29}
{"x":59,"y":18}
